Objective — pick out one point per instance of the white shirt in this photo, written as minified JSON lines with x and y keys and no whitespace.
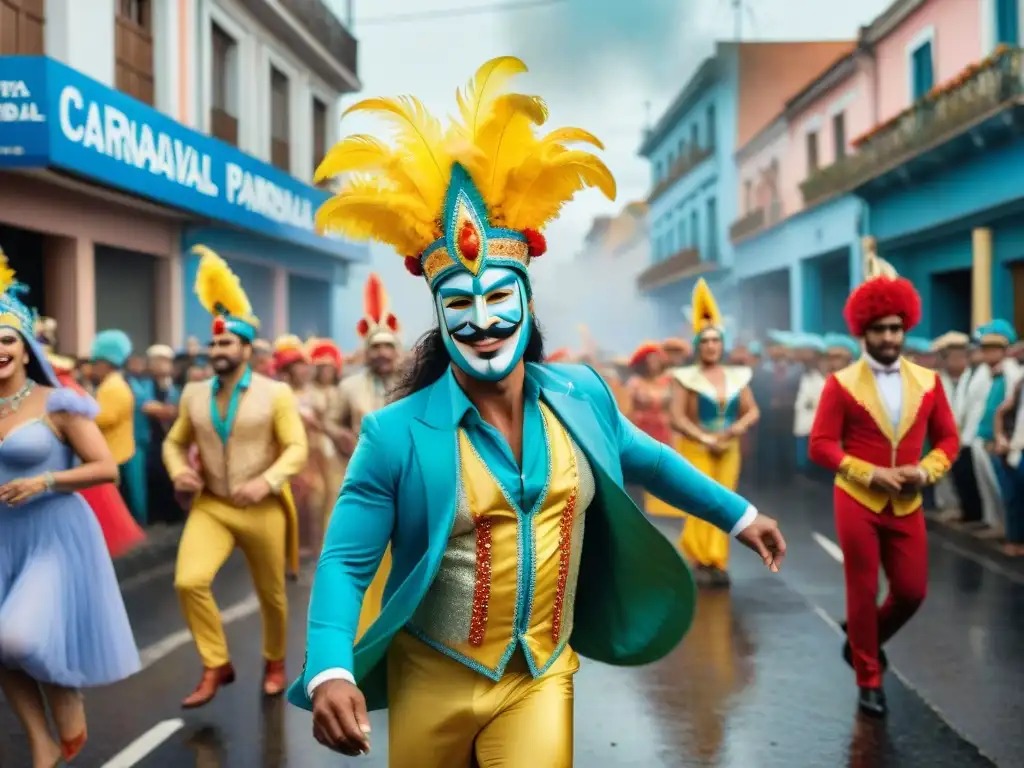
{"x":890,"y":386}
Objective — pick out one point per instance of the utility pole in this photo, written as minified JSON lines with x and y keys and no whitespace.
{"x":737,"y":9}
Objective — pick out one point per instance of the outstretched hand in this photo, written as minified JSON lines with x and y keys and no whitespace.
{"x":764,"y":537}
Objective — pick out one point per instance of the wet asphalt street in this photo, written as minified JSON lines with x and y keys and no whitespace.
{"x":758,"y":683}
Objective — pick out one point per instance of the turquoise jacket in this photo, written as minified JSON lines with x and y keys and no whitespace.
{"x":635,"y":598}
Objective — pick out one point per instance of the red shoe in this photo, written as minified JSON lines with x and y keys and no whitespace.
{"x":274,"y":681}
{"x":71,"y":748}
{"x":209,"y":684}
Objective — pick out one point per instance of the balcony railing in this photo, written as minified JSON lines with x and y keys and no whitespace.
{"x":224,"y":126}
{"x":327,"y":29}
{"x":748,"y":225}
{"x":978,"y":93}
{"x":682,"y":166}
{"x":675,"y":267}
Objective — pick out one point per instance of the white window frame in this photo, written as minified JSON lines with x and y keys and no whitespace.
{"x":923,"y":37}
{"x":213,"y":14}
{"x":842,"y":103}
{"x":272,"y":58}
{"x":812,"y":124}
{"x":988,"y":25}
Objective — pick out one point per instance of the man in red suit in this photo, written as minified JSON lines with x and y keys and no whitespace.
{"x":872,"y":422}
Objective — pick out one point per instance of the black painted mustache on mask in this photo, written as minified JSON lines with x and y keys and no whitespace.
{"x":482,"y":334}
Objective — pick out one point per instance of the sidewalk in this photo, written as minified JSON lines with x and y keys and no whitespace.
{"x":159,"y":548}
{"x":973,"y":543}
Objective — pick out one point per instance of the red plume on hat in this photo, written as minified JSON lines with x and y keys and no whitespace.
{"x":883,"y":293}
{"x":378,"y":320}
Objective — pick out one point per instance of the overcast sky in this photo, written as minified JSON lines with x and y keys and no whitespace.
{"x":598,"y":64}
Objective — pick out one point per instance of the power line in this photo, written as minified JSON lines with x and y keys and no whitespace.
{"x":449,"y":13}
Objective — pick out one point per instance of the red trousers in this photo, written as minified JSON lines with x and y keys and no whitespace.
{"x":900,"y":546}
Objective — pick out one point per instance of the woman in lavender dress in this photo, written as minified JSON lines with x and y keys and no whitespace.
{"x":63,"y":625}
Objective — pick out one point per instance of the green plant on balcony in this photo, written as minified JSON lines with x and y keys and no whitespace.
{"x":945,"y":112}
{"x":747,"y":225}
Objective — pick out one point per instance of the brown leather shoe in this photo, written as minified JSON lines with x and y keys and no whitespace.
{"x":209,"y":684}
{"x":273,"y":678}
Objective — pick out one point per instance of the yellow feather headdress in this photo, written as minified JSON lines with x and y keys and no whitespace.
{"x":475,"y":193}
{"x":704,"y":309}
{"x":220,"y":292}
{"x":13,"y":311}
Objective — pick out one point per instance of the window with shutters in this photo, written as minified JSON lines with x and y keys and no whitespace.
{"x":319,"y":131}
{"x":224,"y":81}
{"x":280,"y":120}
{"x":22,"y":28}
{"x":812,"y":151}
{"x":133,"y":48}
{"x":922,"y":73}
{"x":839,"y":135}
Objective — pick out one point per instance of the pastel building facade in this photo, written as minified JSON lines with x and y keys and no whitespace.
{"x":925,"y":110}
{"x":134,"y":130}
{"x":733,"y":95}
{"x":596,"y":293}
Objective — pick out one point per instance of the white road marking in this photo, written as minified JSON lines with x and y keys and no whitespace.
{"x":830,"y":547}
{"x":143,"y":746}
{"x":161,"y":649}
{"x":144,"y":577}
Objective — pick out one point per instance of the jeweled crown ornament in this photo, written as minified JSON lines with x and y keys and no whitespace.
{"x":474,"y":195}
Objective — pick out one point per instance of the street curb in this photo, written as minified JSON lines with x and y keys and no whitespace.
{"x":159,"y":548}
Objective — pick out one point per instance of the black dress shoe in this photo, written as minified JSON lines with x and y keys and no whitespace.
{"x":871,"y":701}
{"x":848,"y":652}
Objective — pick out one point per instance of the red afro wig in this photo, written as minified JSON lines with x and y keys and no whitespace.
{"x":880,"y":297}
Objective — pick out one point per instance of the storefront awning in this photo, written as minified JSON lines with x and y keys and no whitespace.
{"x":52,"y":116}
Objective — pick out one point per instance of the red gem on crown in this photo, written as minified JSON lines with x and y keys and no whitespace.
{"x":219,"y":326}
{"x":536,"y":244}
{"x":412,"y":264}
{"x":469,"y":241}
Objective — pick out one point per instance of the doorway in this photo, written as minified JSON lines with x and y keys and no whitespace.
{"x":125,"y":291}
{"x":24,"y":251}
{"x":950,"y":305}
{"x":764,"y":303}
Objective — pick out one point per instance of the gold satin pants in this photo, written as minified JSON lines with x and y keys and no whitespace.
{"x":373,"y":599}
{"x":703,"y":543}
{"x":213,"y":529}
{"x":442,"y":714}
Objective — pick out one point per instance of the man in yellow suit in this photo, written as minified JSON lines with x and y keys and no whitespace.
{"x":251,"y":440}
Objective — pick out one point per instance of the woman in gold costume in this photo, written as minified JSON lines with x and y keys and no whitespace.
{"x":712,"y":408}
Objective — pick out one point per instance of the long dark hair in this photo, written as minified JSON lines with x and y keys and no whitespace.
{"x":429,"y":359}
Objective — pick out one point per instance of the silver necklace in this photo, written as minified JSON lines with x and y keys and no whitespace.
{"x":10,"y":405}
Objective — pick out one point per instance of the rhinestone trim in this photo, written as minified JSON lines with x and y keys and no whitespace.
{"x":564,"y":559}
{"x":482,"y":588}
